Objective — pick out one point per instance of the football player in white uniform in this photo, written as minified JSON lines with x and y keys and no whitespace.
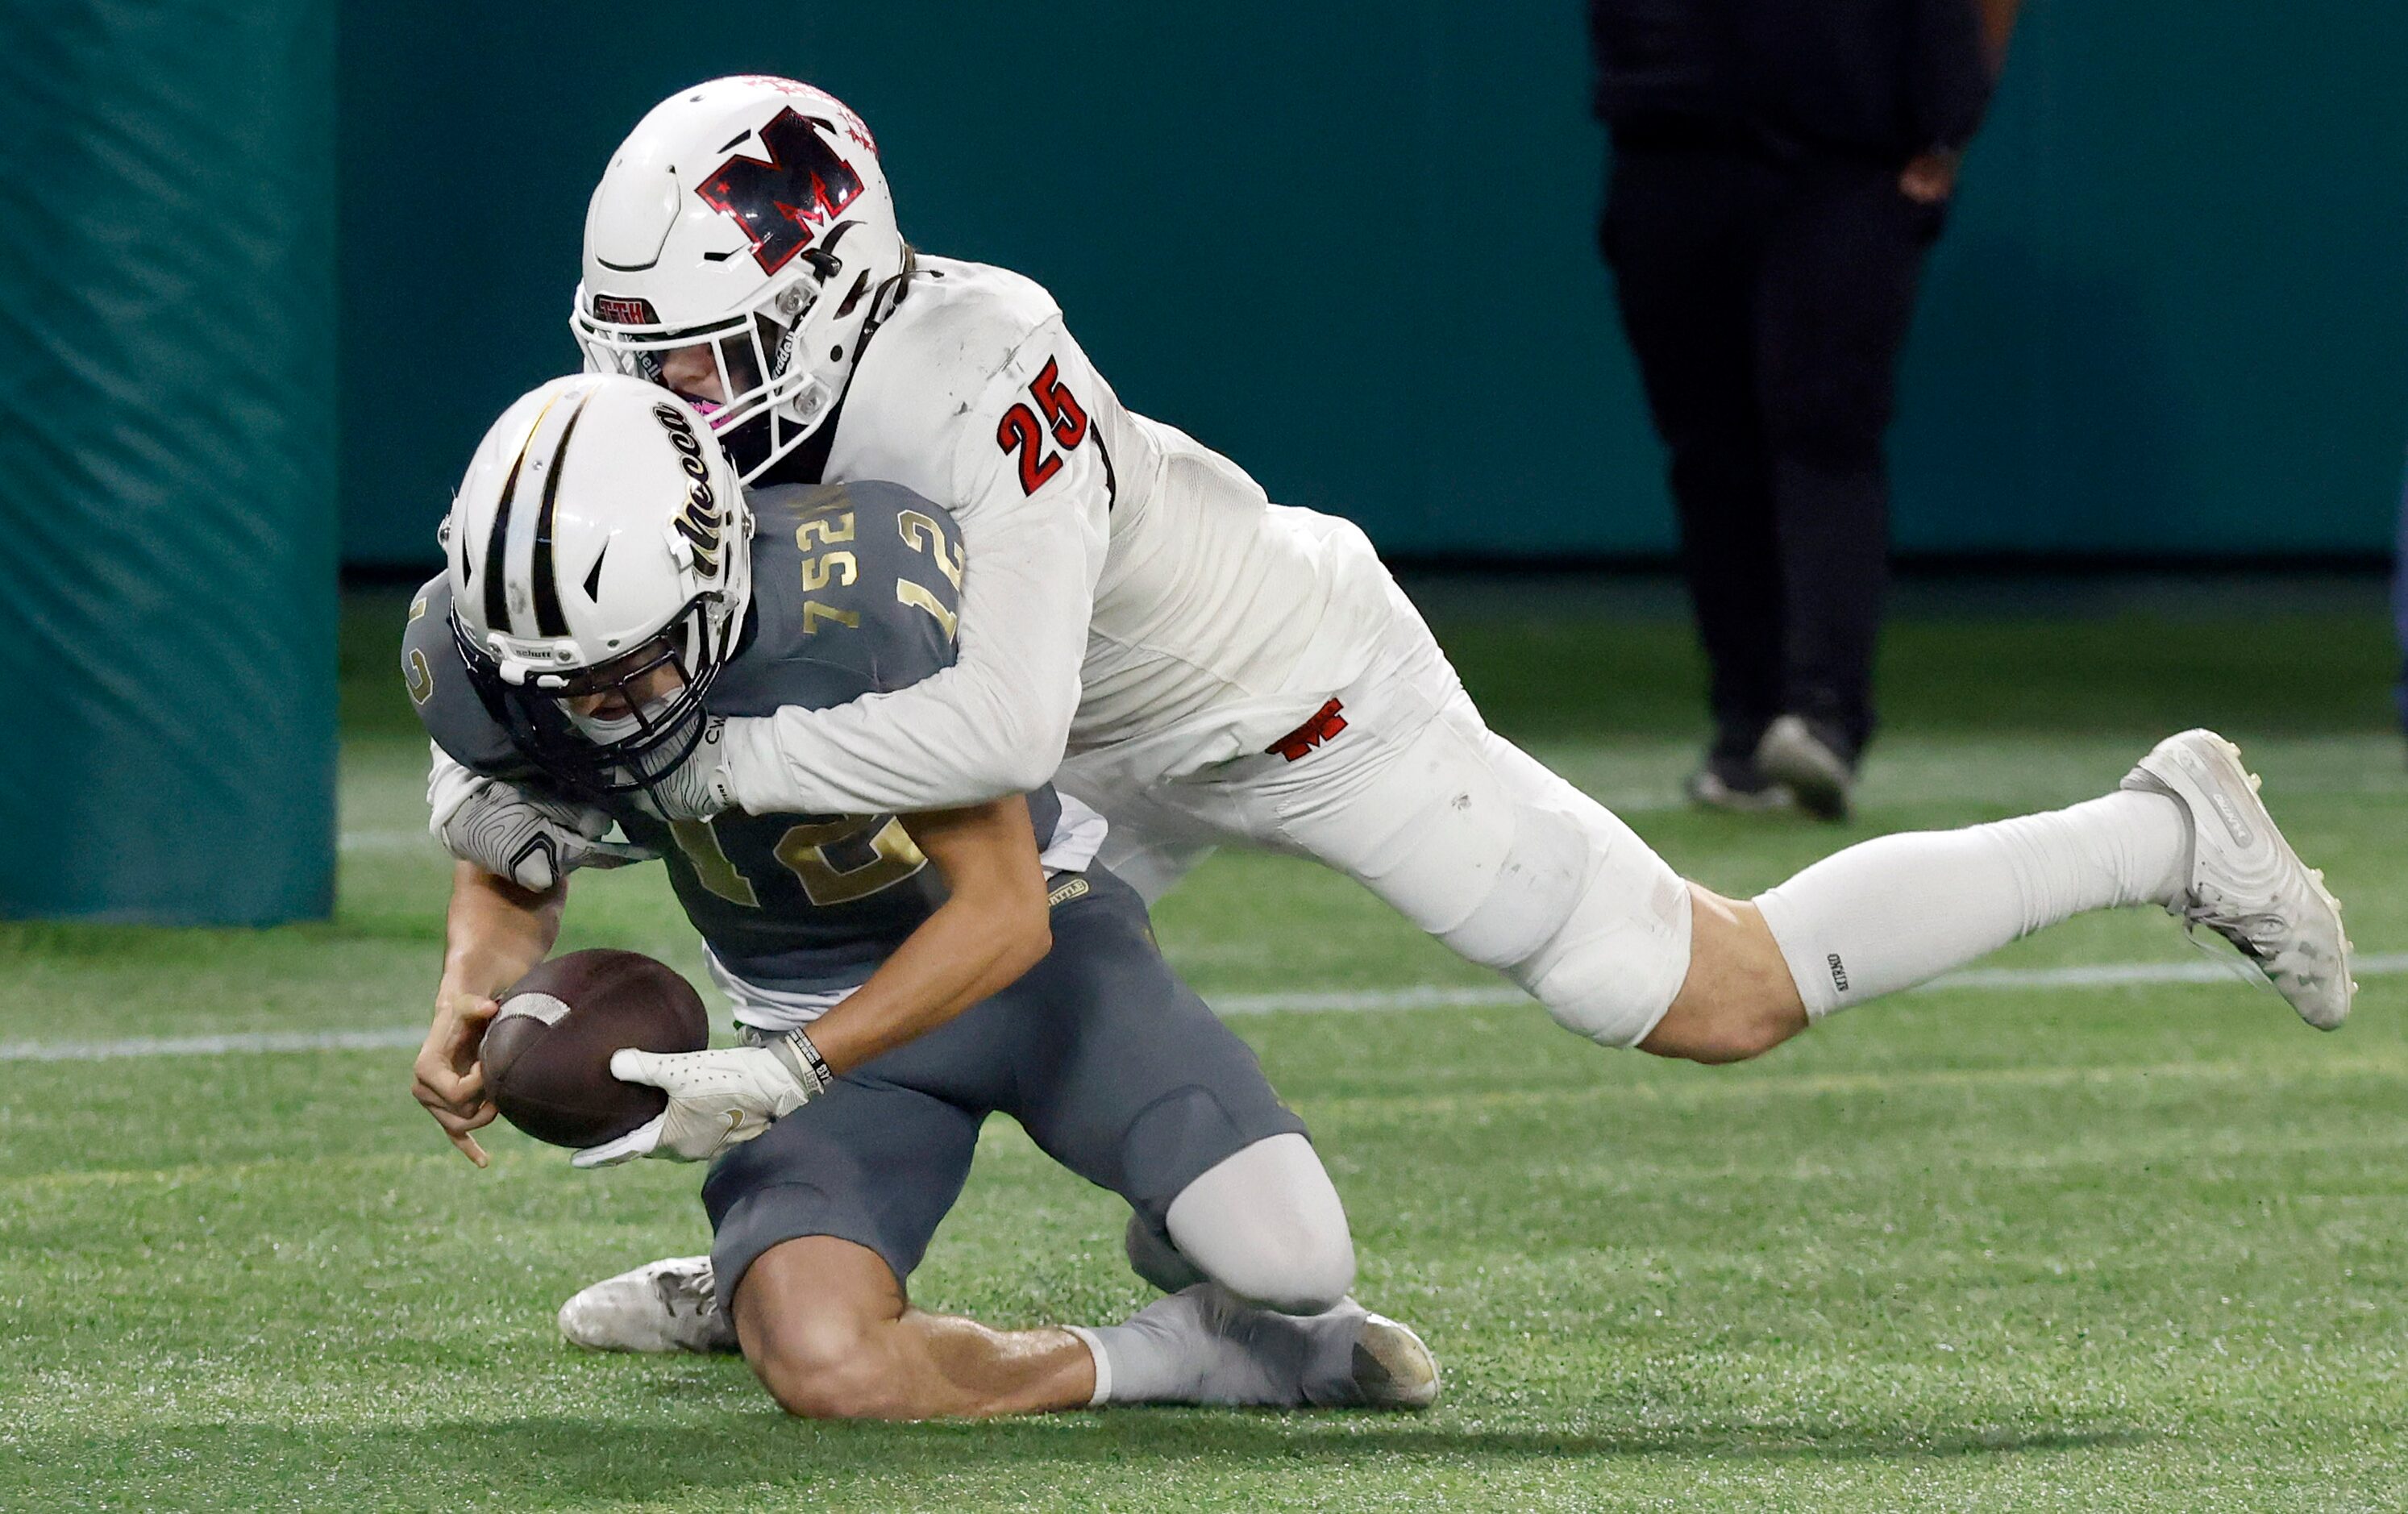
{"x":1141,"y":625}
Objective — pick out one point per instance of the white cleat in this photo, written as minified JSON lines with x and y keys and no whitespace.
{"x":2247,"y":883}
{"x":661,"y":1306}
{"x":1393,"y":1368}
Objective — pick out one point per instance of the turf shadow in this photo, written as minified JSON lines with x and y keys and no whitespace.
{"x":534,"y":1461}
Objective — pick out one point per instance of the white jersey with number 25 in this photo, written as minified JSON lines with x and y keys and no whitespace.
{"x":1127,"y":587}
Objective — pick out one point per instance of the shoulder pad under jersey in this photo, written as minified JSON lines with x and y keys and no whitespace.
{"x":437,"y":681}
{"x":961,"y":324}
{"x":856,"y":589}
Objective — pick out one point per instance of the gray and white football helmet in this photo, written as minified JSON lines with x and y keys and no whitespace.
{"x":600,"y":534}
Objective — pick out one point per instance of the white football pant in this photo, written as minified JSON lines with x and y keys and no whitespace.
{"x":1399,"y":784}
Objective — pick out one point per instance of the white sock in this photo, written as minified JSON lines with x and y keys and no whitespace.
{"x":1899,"y":909}
{"x":1155,"y":1357}
{"x":1103,"y":1393}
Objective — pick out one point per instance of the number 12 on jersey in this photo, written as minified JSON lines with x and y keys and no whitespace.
{"x":1022,"y":433}
{"x":836,"y":861}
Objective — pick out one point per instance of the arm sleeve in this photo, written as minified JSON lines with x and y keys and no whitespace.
{"x":995,"y":722}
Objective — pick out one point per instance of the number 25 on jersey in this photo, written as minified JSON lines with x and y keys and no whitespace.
{"x":1022,"y":433}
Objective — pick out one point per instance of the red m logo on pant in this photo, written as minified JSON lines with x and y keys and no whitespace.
{"x":1325,"y":722}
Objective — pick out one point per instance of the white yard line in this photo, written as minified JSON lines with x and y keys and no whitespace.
{"x":411,"y":840}
{"x":213,"y":1046}
{"x":2102,"y":975}
{"x":1348,"y":1001}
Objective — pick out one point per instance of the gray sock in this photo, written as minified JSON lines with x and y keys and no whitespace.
{"x":1202,"y":1346}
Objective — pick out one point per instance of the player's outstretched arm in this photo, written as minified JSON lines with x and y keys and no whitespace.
{"x":492,"y":934}
{"x":992,"y":927}
{"x":1022,"y":474}
{"x":992,"y":725}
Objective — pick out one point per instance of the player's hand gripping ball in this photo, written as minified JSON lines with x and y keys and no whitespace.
{"x":717,"y":1099}
{"x":547,"y":1055}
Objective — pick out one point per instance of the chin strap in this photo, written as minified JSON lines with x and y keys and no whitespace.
{"x":805,"y":459}
{"x":885,"y":298}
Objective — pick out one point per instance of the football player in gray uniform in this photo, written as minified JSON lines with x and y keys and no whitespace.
{"x":895,"y":979}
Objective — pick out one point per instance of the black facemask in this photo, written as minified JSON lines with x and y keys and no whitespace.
{"x":600,"y":760}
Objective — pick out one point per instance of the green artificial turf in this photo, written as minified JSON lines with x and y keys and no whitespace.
{"x":2002,"y":1248}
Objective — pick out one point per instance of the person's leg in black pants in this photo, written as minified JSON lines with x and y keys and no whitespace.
{"x":1680,"y":232}
{"x":1836,"y":292}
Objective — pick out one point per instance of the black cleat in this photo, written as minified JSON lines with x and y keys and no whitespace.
{"x":1733,"y":784}
{"x":1811,"y":759}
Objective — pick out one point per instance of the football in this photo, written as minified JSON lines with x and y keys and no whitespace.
{"x":547,"y":1054}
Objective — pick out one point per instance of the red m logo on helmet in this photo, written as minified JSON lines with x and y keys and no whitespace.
{"x":786,"y":202}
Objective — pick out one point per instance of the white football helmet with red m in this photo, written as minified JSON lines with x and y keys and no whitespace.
{"x":747,"y":214}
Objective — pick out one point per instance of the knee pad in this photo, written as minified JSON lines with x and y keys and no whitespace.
{"x":1583,"y":914}
{"x":1536,"y":885}
{"x":1614,"y":965}
{"x":1267,"y":1225}
{"x":1287,"y":1268}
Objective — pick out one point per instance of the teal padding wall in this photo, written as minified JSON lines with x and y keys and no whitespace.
{"x":1352,"y":245}
{"x":168,"y":493}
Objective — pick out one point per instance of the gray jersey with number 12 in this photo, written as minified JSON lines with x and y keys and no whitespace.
{"x":855,"y":588}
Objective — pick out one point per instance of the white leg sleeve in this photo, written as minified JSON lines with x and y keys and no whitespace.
{"x":1898,"y":910}
{"x":1267,"y":1225}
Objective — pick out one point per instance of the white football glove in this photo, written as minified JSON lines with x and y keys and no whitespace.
{"x":534,"y":842}
{"x":698,"y":787}
{"x":717,"y":1099}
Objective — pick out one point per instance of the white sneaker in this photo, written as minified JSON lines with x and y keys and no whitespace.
{"x":661,"y":1306}
{"x":2247,"y":883}
{"x":1794,"y":756}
